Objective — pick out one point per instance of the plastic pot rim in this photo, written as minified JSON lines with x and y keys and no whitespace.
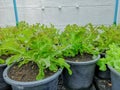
{"x":29,"y":84}
{"x":113,"y":70}
{"x":84,"y":63}
{"x":3,"y":65}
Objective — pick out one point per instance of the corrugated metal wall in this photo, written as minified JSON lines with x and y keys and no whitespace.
{"x":58,"y":12}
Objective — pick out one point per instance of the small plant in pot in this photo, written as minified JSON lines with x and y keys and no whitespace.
{"x":6,"y":35}
{"x":7,"y":38}
{"x":81,"y":54}
{"x":36,"y":66}
{"x":108,"y":35}
{"x":112,"y":59}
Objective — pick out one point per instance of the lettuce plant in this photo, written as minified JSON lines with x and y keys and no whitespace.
{"x":6,"y":37}
{"x":78,"y":40}
{"x":13,"y":38}
{"x":2,"y":61}
{"x":107,"y":36}
{"x":112,"y":58}
{"x":37,"y":43}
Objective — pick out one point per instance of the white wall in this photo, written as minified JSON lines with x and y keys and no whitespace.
{"x":94,"y":11}
{"x":6,"y":13}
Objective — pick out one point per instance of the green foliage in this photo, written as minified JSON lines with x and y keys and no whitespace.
{"x":112,"y":58}
{"x":5,"y":36}
{"x":2,"y":61}
{"x":70,"y":40}
{"x":46,"y":46}
{"x":36,"y":43}
{"x":89,"y":40}
{"x":14,"y":40}
{"x":107,"y":36}
{"x":78,"y":40}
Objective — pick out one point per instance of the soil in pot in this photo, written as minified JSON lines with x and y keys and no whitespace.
{"x":26,"y":73}
{"x":50,"y":81}
{"x":4,"y":57}
{"x":80,"y":58}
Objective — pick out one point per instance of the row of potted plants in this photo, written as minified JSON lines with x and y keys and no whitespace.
{"x":37,"y":54}
{"x":33,"y":50}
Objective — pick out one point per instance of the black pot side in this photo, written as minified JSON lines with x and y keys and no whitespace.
{"x":2,"y":67}
{"x":3,"y":84}
{"x":102,"y":74}
{"x":82,"y":76}
{"x":115,"y":79}
{"x":50,"y":83}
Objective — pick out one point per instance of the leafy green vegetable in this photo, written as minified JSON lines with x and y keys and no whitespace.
{"x":46,"y":46}
{"x":107,"y":36}
{"x":36,"y":43}
{"x":112,"y":58}
{"x":78,"y":40}
{"x":2,"y":61}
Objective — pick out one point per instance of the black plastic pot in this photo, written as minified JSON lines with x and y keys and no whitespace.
{"x":115,"y":79}
{"x":82,"y":77}
{"x":2,"y":67}
{"x":3,"y":84}
{"x":49,"y":83}
{"x":102,"y":74}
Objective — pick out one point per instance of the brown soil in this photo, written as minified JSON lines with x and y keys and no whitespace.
{"x":80,"y":58}
{"x":4,"y":57}
{"x":26,"y":73}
